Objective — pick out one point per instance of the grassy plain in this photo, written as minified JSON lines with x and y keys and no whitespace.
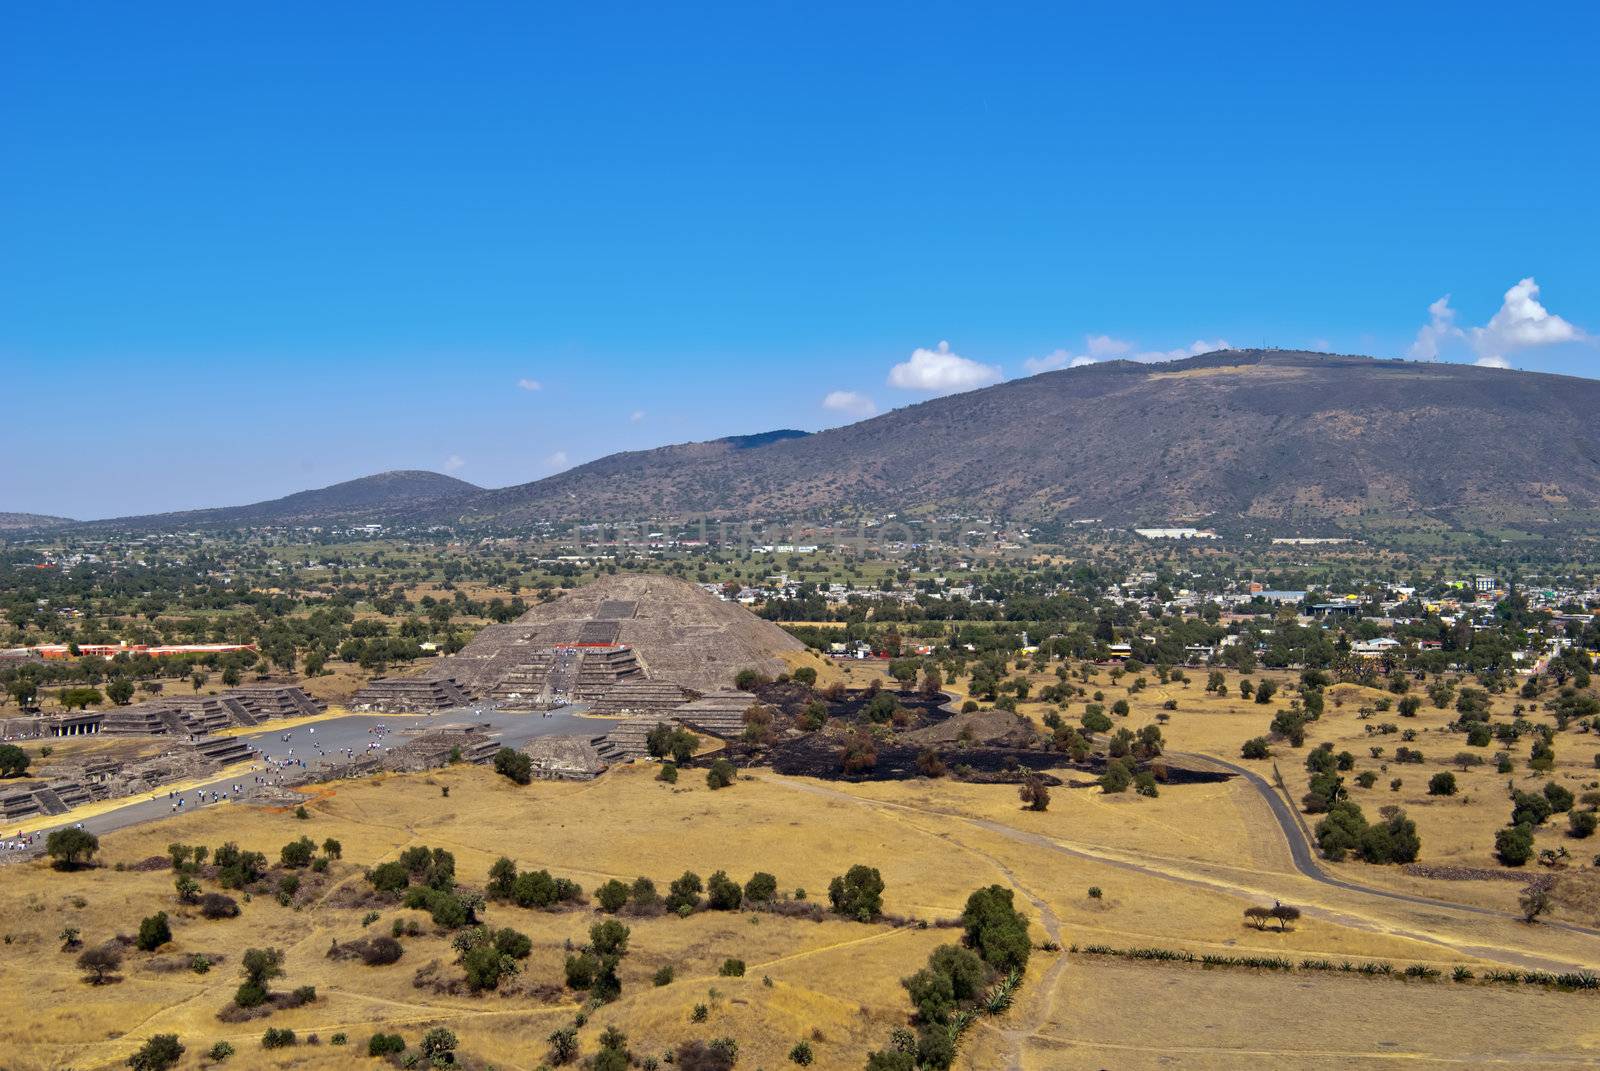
{"x":1174,"y":871}
{"x":1456,"y":831}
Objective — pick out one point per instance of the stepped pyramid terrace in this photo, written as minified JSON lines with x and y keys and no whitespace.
{"x":423,"y":695}
{"x":197,"y":715}
{"x":629,"y":644}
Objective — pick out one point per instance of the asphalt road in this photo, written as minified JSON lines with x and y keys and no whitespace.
{"x":1306,"y":862}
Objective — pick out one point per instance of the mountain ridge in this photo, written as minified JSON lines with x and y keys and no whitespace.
{"x":1276,"y":435}
{"x":365,"y":498}
{"x":1270,"y":434}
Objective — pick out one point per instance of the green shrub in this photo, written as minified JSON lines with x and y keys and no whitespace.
{"x":153,"y":932}
{"x":858,"y":893}
{"x":159,"y":1053}
{"x":385,"y":1044}
{"x":278,"y":1038}
{"x":721,"y":774}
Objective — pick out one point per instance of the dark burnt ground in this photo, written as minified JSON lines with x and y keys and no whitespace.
{"x":1007,"y":758}
{"x":818,"y":755}
{"x":790,"y":698}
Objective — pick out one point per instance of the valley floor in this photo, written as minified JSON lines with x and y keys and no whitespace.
{"x":1175,"y":872}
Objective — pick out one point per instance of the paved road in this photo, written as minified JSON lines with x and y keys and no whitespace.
{"x":355,"y":731}
{"x":1306,"y":862}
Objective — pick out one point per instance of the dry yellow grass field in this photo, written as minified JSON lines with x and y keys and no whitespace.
{"x":1455,"y":830}
{"x":1175,"y":871}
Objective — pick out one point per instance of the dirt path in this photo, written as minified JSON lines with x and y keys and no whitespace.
{"x":1032,"y":1019}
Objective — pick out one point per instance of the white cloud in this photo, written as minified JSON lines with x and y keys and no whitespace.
{"x":1522,"y":322}
{"x":1103,"y":346}
{"x":454,"y":463}
{"x":636,"y":416}
{"x":938,"y":371}
{"x":530,"y":384}
{"x":1056,"y":359}
{"x":1194,"y":349}
{"x":1440,"y":329}
{"x":557,"y":461}
{"x":850,"y":403}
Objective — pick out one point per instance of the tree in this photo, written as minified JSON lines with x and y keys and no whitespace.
{"x":158,"y":1054}
{"x":721,"y":774}
{"x":79,"y":698}
{"x":995,"y":930}
{"x":99,"y":962}
{"x":613,"y":1054}
{"x":1559,"y":797}
{"x":513,"y":764}
{"x":259,"y":966}
{"x":1535,"y":901}
{"x":71,"y":847}
{"x":858,"y":893}
{"x":1256,"y":748}
{"x":965,"y":970}
{"x":1513,"y":845}
{"x":439,"y":1046}
{"x":1442,"y":784}
{"x":297,"y":853}
{"x":1284,"y":914}
{"x":153,"y":932}
{"x":761,"y":887}
{"x":723,"y":893}
{"x":936,"y":1049}
{"x":1117,"y":777}
{"x":14,"y":761}
{"x":1035,"y":793}
{"x":932,"y":995}
{"x":381,"y":1044}
{"x":485,"y":965}
{"x":658,"y":741}
{"x":563,"y":1046}
{"x":1581,"y":824}
{"x":609,"y":941}
{"x":860,"y":752}
{"x":1340,"y":832}
{"x":1094,"y":720}
{"x":611,"y":896}
{"x":683,"y":895}
{"x":1529,"y":809}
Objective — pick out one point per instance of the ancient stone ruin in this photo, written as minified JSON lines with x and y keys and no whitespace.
{"x":618,"y":643}
{"x":564,"y":758}
{"x":403,"y":695}
{"x":197,"y":715}
{"x":64,"y":785}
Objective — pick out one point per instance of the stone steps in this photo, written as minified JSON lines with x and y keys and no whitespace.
{"x":49,"y":802}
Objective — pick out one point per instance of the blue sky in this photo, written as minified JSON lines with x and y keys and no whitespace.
{"x":244,"y":251}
